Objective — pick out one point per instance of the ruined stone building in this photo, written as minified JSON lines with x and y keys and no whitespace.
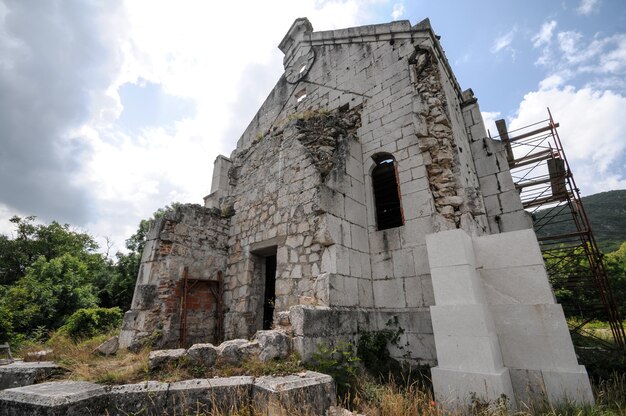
{"x":365,"y":195}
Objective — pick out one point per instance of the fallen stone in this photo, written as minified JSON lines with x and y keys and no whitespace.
{"x":273,"y":345}
{"x":160,"y":358}
{"x":69,"y":398}
{"x":20,"y":373}
{"x":230,"y":352}
{"x":251,"y":349}
{"x":108,"y":347}
{"x":202,"y":354}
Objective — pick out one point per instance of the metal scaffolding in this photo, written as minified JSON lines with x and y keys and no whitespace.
{"x":543,"y":177}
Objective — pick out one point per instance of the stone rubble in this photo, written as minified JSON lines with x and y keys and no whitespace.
{"x":108,"y":347}
{"x":266,"y":345}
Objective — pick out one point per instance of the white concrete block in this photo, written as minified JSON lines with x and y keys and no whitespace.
{"x":450,"y":248}
{"x":454,"y":389}
{"x":527,"y":285}
{"x":468,"y":353}
{"x":538,"y":352}
{"x":463,"y":320}
{"x":456,"y":285}
{"x":568,"y":386}
{"x":510,"y":201}
{"x":514,"y":221}
{"x":517,"y":319}
{"x":511,"y":249}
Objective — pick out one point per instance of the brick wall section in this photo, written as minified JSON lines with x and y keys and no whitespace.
{"x":191,"y":236}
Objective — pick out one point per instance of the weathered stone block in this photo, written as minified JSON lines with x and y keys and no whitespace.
{"x":142,"y":398}
{"x":306,"y":393}
{"x":19,"y":373}
{"x":272,"y":345}
{"x":202,"y":354}
{"x":71,"y":398}
{"x":160,"y":358}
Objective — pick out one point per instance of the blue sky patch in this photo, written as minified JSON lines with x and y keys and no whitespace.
{"x":148,"y":105}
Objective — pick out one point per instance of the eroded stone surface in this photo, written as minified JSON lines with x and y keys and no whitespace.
{"x":273,"y":345}
{"x":72,"y":398}
{"x":160,"y":358}
{"x":20,"y":373}
{"x":202,"y":354}
{"x":313,"y":391}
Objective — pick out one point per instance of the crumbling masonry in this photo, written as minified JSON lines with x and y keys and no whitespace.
{"x":365,"y":195}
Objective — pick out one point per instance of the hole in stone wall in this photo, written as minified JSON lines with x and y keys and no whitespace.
{"x":386,"y":192}
{"x":300,"y":95}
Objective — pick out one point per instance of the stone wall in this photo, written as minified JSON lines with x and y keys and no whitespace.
{"x":502,"y":201}
{"x":190,"y":236}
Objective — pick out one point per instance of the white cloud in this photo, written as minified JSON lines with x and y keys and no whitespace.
{"x":221,"y":56}
{"x":551,"y":82}
{"x":398,"y":11}
{"x":503,"y":42}
{"x":226,"y":66}
{"x":592,"y":130}
{"x":544,"y":37}
{"x":489,"y":118}
{"x":587,"y":7}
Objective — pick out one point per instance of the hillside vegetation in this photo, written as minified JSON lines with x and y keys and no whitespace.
{"x":607,"y":214}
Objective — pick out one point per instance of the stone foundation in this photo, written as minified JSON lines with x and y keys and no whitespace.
{"x":310,"y":391}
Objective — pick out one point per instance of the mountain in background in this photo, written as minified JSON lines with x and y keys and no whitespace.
{"x":607,"y":214}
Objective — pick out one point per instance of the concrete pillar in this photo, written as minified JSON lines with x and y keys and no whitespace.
{"x":468,"y":353}
{"x":219,"y":181}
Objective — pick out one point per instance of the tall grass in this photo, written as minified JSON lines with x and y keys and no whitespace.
{"x":390,"y":399}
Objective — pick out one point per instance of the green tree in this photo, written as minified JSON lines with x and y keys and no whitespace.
{"x":49,"y":293}
{"x":32,"y":241}
{"x":616,"y":268}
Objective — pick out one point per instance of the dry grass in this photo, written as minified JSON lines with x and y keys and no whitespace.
{"x":369,"y":397}
{"x":81,"y":364}
{"x":373,"y":399}
{"x":126,"y":367}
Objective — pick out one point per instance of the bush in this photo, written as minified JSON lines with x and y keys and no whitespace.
{"x":339,"y":362}
{"x":89,"y":322}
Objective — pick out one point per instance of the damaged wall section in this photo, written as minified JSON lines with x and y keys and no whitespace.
{"x":190,"y":236}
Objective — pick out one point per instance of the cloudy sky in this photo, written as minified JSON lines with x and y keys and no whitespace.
{"x":112,"y":109}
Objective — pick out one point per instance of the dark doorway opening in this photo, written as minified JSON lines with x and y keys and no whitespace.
{"x":269,"y":298}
